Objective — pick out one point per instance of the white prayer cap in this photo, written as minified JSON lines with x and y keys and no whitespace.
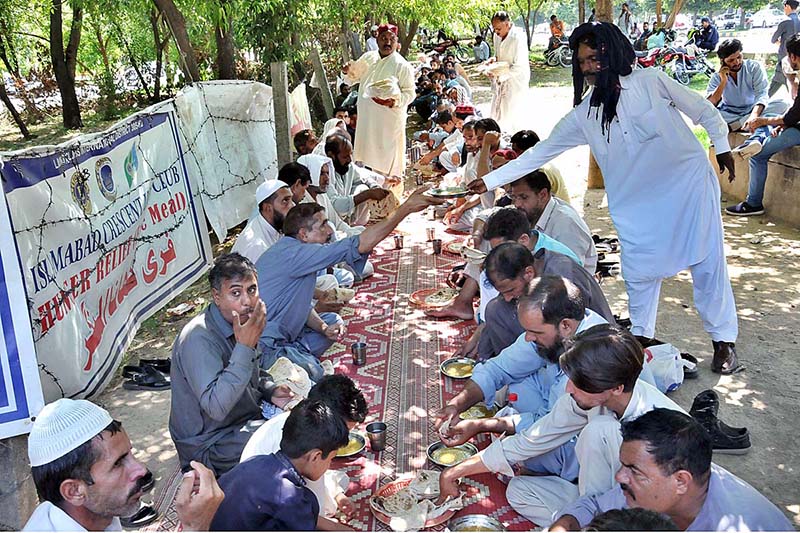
{"x":314,"y":164}
{"x":374,"y":27}
{"x":63,"y":426}
{"x":267,"y":189}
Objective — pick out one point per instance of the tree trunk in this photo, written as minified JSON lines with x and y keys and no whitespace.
{"x":604,"y":11}
{"x":177,"y":25}
{"x":659,"y":11}
{"x":581,"y":11}
{"x":676,"y":8}
{"x":405,"y":34}
{"x":64,"y":62}
{"x":345,"y":33}
{"x":14,"y":113}
{"x":226,"y":53}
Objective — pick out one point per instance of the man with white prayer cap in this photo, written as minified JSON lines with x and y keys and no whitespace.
{"x":274,"y":199}
{"x":87,"y":477}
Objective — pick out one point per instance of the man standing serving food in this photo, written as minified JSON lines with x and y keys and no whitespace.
{"x":386,"y":87}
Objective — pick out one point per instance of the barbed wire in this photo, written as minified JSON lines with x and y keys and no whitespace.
{"x":204,"y":187}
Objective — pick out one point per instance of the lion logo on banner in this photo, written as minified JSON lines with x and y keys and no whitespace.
{"x":79,"y":186}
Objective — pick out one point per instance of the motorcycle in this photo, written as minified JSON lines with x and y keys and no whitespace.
{"x":561,"y":54}
{"x":462,"y":52}
{"x":683,"y":63}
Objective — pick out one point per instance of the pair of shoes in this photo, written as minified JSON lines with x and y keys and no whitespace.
{"x":148,"y":481}
{"x":748,"y":149}
{"x":725,"y":361}
{"x":145,"y":515}
{"x":162,"y":365}
{"x":744,"y":210}
{"x":148,"y":379}
{"x":724,"y":438}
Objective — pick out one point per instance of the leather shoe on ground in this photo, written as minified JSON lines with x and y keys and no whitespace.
{"x":705,"y":409}
{"x":725,"y":361}
{"x":722,"y":442}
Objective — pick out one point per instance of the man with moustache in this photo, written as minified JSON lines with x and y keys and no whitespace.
{"x":350,"y":188}
{"x":602,"y":364}
{"x":381,"y":140}
{"x":668,"y":218}
{"x":665,"y":466}
{"x":87,"y":477}
{"x":214,"y":375}
{"x":288,"y":272}
{"x":274,"y":199}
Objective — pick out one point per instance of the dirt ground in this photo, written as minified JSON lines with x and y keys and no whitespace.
{"x":764,"y":265}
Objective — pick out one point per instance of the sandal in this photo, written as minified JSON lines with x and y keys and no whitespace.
{"x":148,"y":379}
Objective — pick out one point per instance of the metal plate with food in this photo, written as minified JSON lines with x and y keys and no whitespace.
{"x":441,"y":454}
{"x":457,"y":367}
{"x":453,"y":247}
{"x":479,"y":410}
{"x":355,"y":445}
{"x":475,"y":522}
{"x":401,"y":509}
{"x":433,"y":298}
{"x":448,"y":192}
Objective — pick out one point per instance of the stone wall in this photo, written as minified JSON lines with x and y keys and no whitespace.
{"x":782,"y":191}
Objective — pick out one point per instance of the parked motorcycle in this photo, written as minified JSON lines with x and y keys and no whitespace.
{"x":560,"y":55}
{"x":463,"y":53}
{"x":683,"y":63}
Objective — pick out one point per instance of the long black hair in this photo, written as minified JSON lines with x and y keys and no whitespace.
{"x":616,"y":56}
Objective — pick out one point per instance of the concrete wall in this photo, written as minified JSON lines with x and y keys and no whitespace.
{"x":782,"y":191}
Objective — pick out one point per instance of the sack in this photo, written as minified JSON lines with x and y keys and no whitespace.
{"x":665,"y":364}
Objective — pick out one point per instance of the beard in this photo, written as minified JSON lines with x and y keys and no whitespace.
{"x":551,"y":353}
{"x":277,"y":221}
{"x":627,"y":491}
{"x":533,"y":214}
{"x":339,"y":168}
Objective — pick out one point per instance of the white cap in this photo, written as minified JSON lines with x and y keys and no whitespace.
{"x":267,"y":189}
{"x":374,"y":27}
{"x":62,"y":426}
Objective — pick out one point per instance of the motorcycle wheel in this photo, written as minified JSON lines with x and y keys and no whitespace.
{"x":550,"y":59}
{"x":463,"y":54}
{"x":680,"y":75}
{"x":565,"y":58}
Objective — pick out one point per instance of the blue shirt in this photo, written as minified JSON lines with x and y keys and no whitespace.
{"x":265,"y":493}
{"x":786,"y":29}
{"x":287,"y":275}
{"x":749,"y":89}
{"x":537,"y":382}
{"x":731,"y":505}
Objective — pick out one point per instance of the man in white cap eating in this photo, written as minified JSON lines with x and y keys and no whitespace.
{"x":87,"y":477}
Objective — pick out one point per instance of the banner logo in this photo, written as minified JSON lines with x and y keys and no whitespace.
{"x":105,"y":178}
{"x":79,"y":186}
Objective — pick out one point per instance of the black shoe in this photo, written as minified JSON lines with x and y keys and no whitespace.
{"x":725,"y":361}
{"x":705,"y":409}
{"x":647,"y":342}
{"x":149,"y":481}
{"x":690,"y":373}
{"x":744,"y":210}
{"x":723,"y":442}
{"x":162,"y":365}
{"x":144,"y":516}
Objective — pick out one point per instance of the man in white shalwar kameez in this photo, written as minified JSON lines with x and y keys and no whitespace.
{"x":381,"y":140}
{"x":510,"y":88}
{"x":663,"y":194}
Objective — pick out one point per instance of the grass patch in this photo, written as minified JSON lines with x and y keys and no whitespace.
{"x":50,"y":131}
{"x":543,"y":75}
{"x":702,"y":136}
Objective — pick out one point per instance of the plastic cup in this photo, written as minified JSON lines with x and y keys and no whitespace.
{"x":398,"y":242}
{"x":431,"y":233}
{"x":436,"y":244}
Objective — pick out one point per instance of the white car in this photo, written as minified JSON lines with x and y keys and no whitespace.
{"x":768,"y":16}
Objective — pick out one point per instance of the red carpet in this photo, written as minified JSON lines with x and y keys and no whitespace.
{"x":401,"y":379}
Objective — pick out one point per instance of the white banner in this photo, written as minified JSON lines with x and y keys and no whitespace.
{"x":20,"y":390}
{"x":229,"y":130}
{"x":108,"y":229}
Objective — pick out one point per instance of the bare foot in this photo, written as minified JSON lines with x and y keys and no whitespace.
{"x":452,"y":311}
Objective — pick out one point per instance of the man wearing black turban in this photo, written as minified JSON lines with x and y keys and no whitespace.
{"x":663,"y":193}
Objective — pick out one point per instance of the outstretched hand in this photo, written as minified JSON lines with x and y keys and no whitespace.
{"x":725,"y":162}
{"x":419,"y":200}
{"x":477,"y":186}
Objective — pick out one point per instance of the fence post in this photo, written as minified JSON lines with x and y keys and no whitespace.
{"x":322,"y":79}
{"x":280,"y":102}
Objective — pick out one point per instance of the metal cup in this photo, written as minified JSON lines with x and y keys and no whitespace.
{"x":431,"y":233}
{"x":419,"y":180}
{"x":376,"y":431}
{"x":359,"y":351}
{"x":398,"y":242}
{"x":437,"y":246}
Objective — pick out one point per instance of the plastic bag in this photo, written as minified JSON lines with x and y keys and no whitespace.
{"x":666,"y":364}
